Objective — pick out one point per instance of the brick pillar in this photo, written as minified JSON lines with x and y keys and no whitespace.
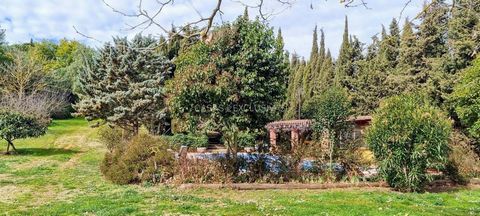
{"x":273,"y":140}
{"x":294,"y":139}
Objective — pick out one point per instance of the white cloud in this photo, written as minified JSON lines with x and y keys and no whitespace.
{"x":54,"y":19}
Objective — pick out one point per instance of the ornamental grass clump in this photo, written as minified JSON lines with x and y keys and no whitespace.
{"x":408,"y":136}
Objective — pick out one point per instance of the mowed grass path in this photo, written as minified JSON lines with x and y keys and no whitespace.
{"x":58,"y":174}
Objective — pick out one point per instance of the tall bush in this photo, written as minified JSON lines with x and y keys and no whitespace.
{"x":407,"y":136}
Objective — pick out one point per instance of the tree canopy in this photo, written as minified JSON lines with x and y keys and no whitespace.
{"x":124,"y":85}
{"x":236,"y":79}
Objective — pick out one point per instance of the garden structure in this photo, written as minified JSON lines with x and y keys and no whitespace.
{"x":299,"y":126}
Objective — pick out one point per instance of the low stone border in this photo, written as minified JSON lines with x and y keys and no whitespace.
{"x":259,"y":186}
{"x":313,"y":186}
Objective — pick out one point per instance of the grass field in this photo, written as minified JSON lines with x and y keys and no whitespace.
{"x":58,"y":174}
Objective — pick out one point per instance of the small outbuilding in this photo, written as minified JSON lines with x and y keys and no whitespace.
{"x":299,"y":126}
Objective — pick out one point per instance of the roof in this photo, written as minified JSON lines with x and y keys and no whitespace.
{"x":305,"y":124}
{"x":300,"y":124}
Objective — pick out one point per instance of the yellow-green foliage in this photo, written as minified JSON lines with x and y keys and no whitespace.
{"x":466,"y":99}
{"x":142,"y":159}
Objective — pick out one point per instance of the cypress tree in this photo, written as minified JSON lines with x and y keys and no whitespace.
{"x":311,"y":69}
{"x":280,"y":44}
{"x":328,"y":72}
{"x":245,"y":14}
{"x":343,"y":62}
{"x":321,"y":52}
{"x":314,"y":52}
{"x":296,"y":92}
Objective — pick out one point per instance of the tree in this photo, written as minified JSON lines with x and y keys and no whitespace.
{"x":124,"y":85}
{"x":296,"y":92}
{"x":22,"y":75}
{"x":404,"y":76}
{"x":14,"y":125}
{"x":407,"y":136}
{"x":147,"y":20}
{"x":64,"y":68}
{"x":3,"y":58}
{"x":234,"y":81}
{"x":342,"y":65}
{"x":432,"y":47}
{"x":389,"y":46}
{"x":328,"y":72}
{"x":466,"y":100}
{"x":330,"y":111}
{"x":463,"y":34}
{"x":311,"y":70}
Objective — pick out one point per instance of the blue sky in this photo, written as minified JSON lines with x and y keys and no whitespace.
{"x":54,"y":19}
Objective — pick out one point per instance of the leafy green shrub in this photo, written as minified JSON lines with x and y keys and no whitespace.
{"x":142,"y":159}
{"x":14,"y":125}
{"x":246,"y":139}
{"x":407,"y":136}
{"x":330,"y":112}
{"x":190,"y":140}
{"x":466,"y":99}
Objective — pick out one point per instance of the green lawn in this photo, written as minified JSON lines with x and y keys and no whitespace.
{"x":58,"y":174}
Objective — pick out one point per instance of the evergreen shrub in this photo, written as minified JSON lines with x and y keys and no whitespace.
{"x":408,"y":136}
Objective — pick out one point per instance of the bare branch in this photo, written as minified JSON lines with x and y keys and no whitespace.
{"x":355,"y":3}
{"x":403,"y":9}
{"x":86,"y":36}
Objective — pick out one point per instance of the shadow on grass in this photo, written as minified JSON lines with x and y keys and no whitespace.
{"x":45,"y":151}
{"x":443,"y":189}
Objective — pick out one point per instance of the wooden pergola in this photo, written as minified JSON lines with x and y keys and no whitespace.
{"x":298,"y":126}
{"x":294,"y":126}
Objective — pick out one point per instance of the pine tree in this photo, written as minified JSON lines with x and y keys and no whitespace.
{"x":124,"y":84}
{"x":432,"y":30}
{"x":372,"y":49}
{"x":432,"y":43}
{"x":393,"y":44}
{"x":408,"y":53}
{"x":463,"y":34}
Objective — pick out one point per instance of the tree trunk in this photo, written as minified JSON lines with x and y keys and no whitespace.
{"x":10,"y":143}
